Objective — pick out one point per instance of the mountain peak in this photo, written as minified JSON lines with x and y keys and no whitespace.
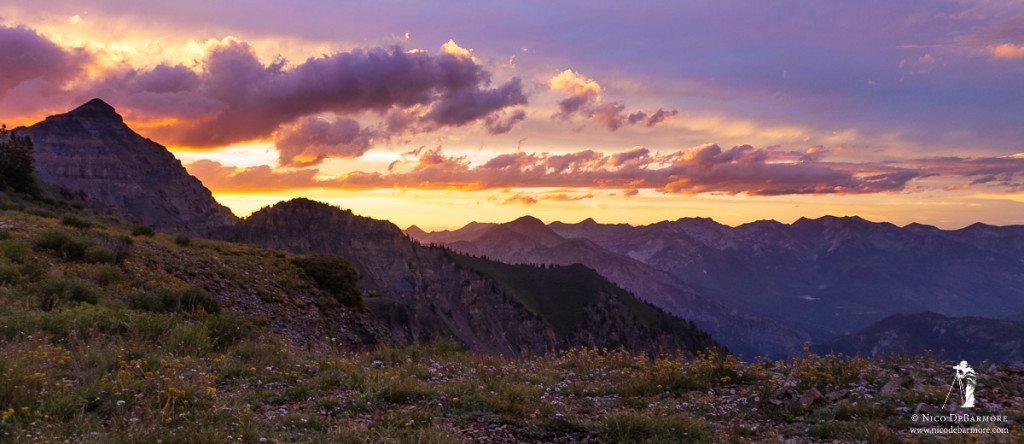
{"x":96,"y":109}
{"x":527,"y":222}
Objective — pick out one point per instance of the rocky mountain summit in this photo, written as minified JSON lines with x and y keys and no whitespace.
{"x":90,"y":151}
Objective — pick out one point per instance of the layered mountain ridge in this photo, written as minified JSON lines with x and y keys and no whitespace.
{"x":831,"y":275}
{"x":528,"y":240}
{"x":90,"y":151}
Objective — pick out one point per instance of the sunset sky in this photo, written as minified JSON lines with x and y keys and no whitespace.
{"x":438,"y":115}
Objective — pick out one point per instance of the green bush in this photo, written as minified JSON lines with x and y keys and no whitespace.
{"x":55,"y":289}
{"x":142,"y":230}
{"x":146,"y":302}
{"x":99,"y":255}
{"x":119,"y":246}
{"x":334,"y":274}
{"x":33,"y":271}
{"x":62,"y":244}
{"x":9,"y":274}
{"x":189,"y":300}
{"x":226,"y":329}
{"x":194,"y":298}
{"x":4,"y":234}
{"x":105,"y":275}
{"x":183,"y":240}
{"x":71,"y":220}
{"x":15,"y":251}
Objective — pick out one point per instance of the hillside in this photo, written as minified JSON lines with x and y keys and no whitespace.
{"x":528,"y":241}
{"x":422,"y":294}
{"x":583,"y":307}
{"x":953,"y":339}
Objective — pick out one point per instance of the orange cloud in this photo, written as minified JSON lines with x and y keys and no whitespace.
{"x":584,"y":99}
{"x":1006,"y":51}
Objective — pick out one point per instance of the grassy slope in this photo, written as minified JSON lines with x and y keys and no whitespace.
{"x":559,"y":294}
{"x":95,"y":369}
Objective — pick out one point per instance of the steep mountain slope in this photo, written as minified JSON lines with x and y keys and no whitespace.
{"x":954,"y":339}
{"x":86,"y":251}
{"x":585,"y":308}
{"x":423,"y":293}
{"x":528,"y":241}
{"x":91,"y":151}
{"x":832,"y":275}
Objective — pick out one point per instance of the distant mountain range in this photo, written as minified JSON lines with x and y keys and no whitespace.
{"x":953,"y":339}
{"x":527,"y":240}
{"x":817,"y":278}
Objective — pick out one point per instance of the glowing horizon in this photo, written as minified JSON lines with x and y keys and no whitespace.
{"x":895,"y":113}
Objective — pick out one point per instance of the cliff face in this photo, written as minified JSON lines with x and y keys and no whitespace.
{"x":90,"y":151}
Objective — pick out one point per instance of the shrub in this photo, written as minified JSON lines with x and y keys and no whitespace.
{"x":146,"y":302}
{"x":183,"y":240}
{"x":105,"y":275}
{"x":9,"y":274}
{"x":4,"y":234}
{"x":193,"y":298}
{"x":62,"y":244}
{"x":71,"y":220}
{"x":55,"y":289}
{"x":334,"y":274}
{"x":99,"y":255}
{"x":33,"y":271}
{"x":226,"y":329}
{"x":15,"y":251}
{"x":142,"y":230}
{"x":120,"y":246}
{"x":189,"y":300}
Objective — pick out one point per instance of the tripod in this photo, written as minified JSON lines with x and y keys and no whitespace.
{"x":957,"y":382}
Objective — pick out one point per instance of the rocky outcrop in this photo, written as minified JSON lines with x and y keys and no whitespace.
{"x":91,"y":152}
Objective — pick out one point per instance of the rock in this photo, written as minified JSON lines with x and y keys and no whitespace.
{"x":894,"y":385}
{"x":810,"y":398}
{"x":837,"y":395}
